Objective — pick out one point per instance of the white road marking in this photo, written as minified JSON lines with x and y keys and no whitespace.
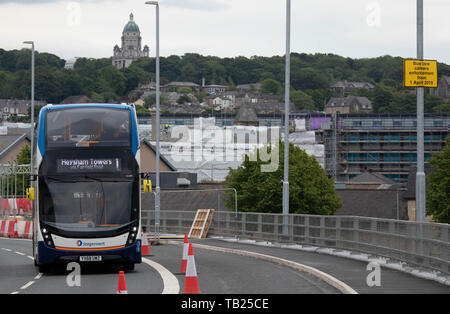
{"x":341,"y":286}
{"x":171,"y":284}
{"x":27,"y":285}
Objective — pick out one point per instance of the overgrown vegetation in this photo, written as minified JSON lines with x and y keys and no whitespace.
{"x":311,"y":77}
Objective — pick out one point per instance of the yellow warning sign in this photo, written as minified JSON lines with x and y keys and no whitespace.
{"x":420,"y":73}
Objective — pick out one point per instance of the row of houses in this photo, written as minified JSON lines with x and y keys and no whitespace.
{"x":16,"y":107}
{"x":176,"y":86}
{"x":262,"y":103}
{"x":344,"y":103}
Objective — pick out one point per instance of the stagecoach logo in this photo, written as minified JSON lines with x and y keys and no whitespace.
{"x":89,"y":244}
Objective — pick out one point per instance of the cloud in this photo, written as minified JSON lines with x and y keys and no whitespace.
{"x":44,"y":1}
{"x":201,"y":5}
{"x":210,"y":5}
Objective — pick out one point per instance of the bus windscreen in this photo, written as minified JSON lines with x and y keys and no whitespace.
{"x":86,"y":205}
{"x":88,"y":127}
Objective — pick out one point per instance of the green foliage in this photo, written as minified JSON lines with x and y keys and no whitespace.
{"x":302,"y":100}
{"x":183,"y":99}
{"x":270,"y":86}
{"x":438,"y":186}
{"x":184,"y":90}
{"x":382,"y":97}
{"x":443,"y":108}
{"x":312,"y":74}
{"x":23,"y":158}
{"x":150,"y":100}
{"x":23,"y":180}
{"x":311,"y":191}
{"x":142,"y":110}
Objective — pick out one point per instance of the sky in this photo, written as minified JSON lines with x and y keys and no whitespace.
{"x":228,"y":28}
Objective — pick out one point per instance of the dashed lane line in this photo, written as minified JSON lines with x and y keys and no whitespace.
{"x":28,"y":284}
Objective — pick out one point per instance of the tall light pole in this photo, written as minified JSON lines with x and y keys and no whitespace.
{"x":420,"y":175}
{"x":286,"y":119}
{"x":157,"y":192}
{"x":32,"y":105}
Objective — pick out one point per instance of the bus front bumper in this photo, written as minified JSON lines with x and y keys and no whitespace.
{"x":128,"y":254}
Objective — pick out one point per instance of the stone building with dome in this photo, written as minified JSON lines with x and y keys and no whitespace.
{"x":131,"y":49}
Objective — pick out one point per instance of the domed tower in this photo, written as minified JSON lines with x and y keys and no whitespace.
{"x":131,"y":49}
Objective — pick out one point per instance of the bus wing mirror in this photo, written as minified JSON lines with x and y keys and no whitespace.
{"x":31,"y":194}
{"x":147,"y":186}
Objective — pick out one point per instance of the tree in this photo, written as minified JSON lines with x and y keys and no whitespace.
{"x":183,"y":99}
{"x":311,"y":191}
{"x":309,"y":78}
{"x":115,"y":79}
{"x":270,"y":86}
{"x":24,"y":157}
{"x":23,"y":180}
{"x":382,"y":99}
{"x":302,"y":100}
{"x":444,"y":108}
{"x":184,"y":90}
{"x":438,"y":186}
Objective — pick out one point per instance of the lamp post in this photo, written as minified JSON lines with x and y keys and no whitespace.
{"x":286,"y":119}
{"x":32,"y":105}
{"x":157,"y":191}
{"x":420,"y":175}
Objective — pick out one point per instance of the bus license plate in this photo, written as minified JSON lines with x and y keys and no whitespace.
{"x":90,"y":258}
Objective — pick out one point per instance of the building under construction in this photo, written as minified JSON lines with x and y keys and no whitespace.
{"x":383,"y":144}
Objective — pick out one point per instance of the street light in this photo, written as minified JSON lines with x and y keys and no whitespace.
{"x":157,"y":191}
{"x":420,"y":175}
{"x":32,"y":104}
{"x":286,"y":119}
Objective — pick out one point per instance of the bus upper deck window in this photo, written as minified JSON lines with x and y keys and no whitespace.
{"x":88,"y":127}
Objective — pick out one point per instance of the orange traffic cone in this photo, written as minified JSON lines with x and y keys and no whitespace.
{"x":122,"y":286}
{"x":191,"y":281}
{"x":145,"y":246}
{"x":185,"y":254}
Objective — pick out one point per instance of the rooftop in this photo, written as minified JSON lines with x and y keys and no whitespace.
{"x":131,"y":27}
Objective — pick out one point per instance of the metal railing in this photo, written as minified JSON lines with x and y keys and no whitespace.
{"x":422,"y":244}
{"x":14,"y":180}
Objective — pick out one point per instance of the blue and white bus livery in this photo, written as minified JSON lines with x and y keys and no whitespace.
{"x":87,"y":187}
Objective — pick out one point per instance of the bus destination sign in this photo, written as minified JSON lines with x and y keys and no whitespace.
{"x":89,"y":165}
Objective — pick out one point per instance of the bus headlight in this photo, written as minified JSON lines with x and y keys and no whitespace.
{"x":132,"y":235}
{"x":47,"y":238}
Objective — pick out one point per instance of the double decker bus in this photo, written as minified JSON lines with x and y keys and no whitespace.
{"x":86,"y":186}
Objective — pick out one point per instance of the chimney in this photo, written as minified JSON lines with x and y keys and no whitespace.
{"x":203,"y":82}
